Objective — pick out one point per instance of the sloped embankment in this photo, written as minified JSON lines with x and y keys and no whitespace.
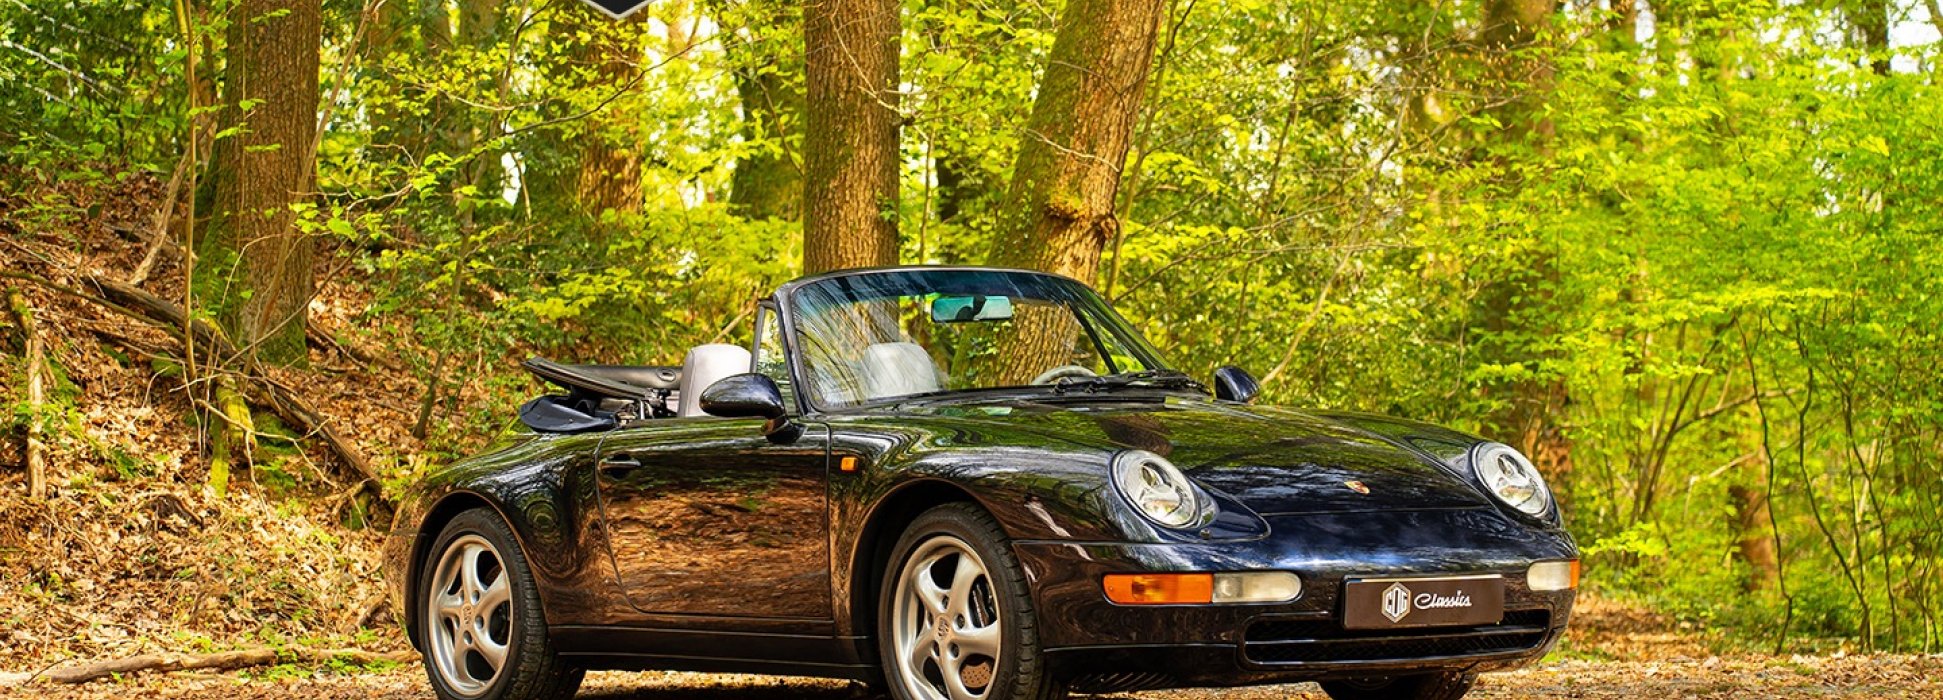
{"x":130,"y":551}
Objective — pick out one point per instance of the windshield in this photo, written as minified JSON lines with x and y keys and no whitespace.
{"x":873,"y":336}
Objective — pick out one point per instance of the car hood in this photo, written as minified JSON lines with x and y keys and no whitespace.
{"x":1276,"y":461}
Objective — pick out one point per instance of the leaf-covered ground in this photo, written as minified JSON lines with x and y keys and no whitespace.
{"x":1900,"y":676}
{"x":1639,"y":655}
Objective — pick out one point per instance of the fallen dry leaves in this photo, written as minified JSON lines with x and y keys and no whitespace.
{"x":1644,"y":663}
{"x":1885,"y":676}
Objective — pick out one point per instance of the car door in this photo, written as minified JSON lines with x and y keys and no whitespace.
{"x":705,"y":516}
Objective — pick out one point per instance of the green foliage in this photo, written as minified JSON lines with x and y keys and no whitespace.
{"x":1700,"y":260}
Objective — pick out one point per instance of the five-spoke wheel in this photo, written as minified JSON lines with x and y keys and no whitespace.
{"x":946,"y":622}
{"x":479,"y":622}
{"x":471,"y":614}
{"x":955,"y":619}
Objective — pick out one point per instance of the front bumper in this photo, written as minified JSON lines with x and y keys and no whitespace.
{"x":1103,"y":647}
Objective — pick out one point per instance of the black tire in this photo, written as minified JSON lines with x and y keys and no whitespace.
{"x":1020,"y":673}
{"x":1433,"y":686}
{"x":531,"y":670}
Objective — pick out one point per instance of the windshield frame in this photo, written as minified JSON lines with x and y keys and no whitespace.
{"x":808,"y":400}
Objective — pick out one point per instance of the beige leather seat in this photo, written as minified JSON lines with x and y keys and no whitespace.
{"x":898,"y":369}
{"x":704,"y":366}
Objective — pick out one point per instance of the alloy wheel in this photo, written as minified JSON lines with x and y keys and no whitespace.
{"x":945,"y":626}
{"x":470,"y":614}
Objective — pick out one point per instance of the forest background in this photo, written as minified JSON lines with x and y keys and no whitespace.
{"x":1684,"y":253}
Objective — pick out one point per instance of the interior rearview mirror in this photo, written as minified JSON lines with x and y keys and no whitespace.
{"x":963,"y":309}
{"x":751,"y":396}
{"x":1233,"y":383}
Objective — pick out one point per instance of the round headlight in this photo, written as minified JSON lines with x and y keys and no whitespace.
{"x":1512,"y":479}
{"x":1153,"y":486}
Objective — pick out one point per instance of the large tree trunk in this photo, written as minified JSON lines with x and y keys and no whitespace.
{"x":850,"y":154}
{"x":1511,"y":27}
{"x":609,"y":174}
{"x":768,"y":180}
{"x":403,"y":32}
{"x":480,"y":29}
{"x":258,"y":260}
{"x":1059,"y":211}
{"x":588,"y":167}
{"x":1754,"y":539}
{"x":452,"y":127}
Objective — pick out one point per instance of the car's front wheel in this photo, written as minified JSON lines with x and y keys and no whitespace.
{"x":1430,"y":686}
{"x":955,"y":620}
{"x":481,"y":628}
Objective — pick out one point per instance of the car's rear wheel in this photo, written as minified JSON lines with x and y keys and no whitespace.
{"x":481,"y":628}
{"x":1432,"y":686}
{"x":955,"y":619}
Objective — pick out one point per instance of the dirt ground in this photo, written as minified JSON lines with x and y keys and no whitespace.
{"x":1820,"y":677}
{"x":1612,"y":651}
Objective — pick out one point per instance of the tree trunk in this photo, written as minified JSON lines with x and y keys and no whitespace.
{"x":768,"y":179}
{"x":850,"y":147}
{"x":768,"y":182}
{"x":1532,"y":419}
{"x":408,"y":30}
{"x":1755,"y":542}
{"x":1511,"y":26}
{"x":479,"y":29}
{"x":261,"y":260}
{"x":1871,"y":20}
{"x":609,"y":169}
{"x":1059,"y":212}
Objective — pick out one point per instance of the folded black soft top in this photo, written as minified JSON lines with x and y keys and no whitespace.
{"x":582,"y":382}
{"x":588,"y":388}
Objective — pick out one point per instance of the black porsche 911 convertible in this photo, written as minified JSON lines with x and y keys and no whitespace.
{"x":971,"y":484}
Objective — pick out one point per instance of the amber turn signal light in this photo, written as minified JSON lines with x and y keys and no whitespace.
{"x":1553,"y":575}
{"x":1160,"y":589}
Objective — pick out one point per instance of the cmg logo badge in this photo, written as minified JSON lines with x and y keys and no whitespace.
{"x":617,"y":9}
{"x":1396,"y":602}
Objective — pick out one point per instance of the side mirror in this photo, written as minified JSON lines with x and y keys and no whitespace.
{"x":751,"y":396}
{"x":1231,"y":383}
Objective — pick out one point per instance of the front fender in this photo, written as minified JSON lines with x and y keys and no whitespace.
{"x":541,"y":488}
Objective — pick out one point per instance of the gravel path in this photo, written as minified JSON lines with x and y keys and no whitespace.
{"x":1884,"y":676}
{"x":1639,"y":655}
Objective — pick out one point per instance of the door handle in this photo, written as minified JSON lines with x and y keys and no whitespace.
{"x":619,"y":463}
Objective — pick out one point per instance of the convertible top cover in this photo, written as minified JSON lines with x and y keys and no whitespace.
{"x":581,"y":409}
{"x":559,"y":414}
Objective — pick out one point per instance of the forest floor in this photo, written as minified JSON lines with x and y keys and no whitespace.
{"x":1612,"y":651}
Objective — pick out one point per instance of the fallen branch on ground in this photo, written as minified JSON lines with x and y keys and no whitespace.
{"x":219,"y":661}
{"x":158,"y":227}
{"x":35,"y":354}
{"x":323,"y":341}
{"x":258,"y":387}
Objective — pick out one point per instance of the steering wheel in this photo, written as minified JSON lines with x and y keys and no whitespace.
{"x":1058,"y":373}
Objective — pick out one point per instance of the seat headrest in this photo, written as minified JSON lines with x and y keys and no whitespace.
{"x":898,"y":369}
{"x":706,"y":365}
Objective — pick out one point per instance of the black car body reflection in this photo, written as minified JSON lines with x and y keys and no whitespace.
{"x":752,"y":544}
